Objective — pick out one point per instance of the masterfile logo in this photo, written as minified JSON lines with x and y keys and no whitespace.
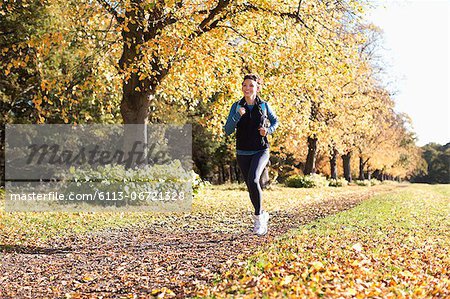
{"x":98,"y":167}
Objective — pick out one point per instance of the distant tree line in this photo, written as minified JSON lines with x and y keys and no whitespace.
{"x":438,"y":164}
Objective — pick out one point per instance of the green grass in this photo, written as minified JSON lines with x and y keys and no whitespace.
{"x":222,"y":208}
{"x":393,"y":245}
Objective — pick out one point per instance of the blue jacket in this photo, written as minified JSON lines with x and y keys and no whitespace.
{"x":248,"y":139}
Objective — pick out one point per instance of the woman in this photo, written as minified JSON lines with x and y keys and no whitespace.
{"x":252,"y":119}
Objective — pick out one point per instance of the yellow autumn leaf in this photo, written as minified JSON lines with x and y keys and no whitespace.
{"x":143,"y":76}
{"x":355,"y":263}
{"x":87,"y":278}
{"x":317,"y":265}
{"x":357,"y":247}
{"x":286,"y":280}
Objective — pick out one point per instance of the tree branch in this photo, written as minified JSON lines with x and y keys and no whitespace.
{"x":295,"y":16}
{"x":298,"y":8}
{"x":207,"y":24}
{"x":111,"y":10}
{"x":161,"y":21}
{"x":240,"y":34}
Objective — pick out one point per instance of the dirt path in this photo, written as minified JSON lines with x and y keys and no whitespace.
{"x":116,"y":263}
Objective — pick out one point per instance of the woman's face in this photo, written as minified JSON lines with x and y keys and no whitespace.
{"x":250,"y":88}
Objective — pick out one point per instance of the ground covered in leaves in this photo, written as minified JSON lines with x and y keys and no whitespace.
{"x":212,"y":252}
{"x":394,"y":245}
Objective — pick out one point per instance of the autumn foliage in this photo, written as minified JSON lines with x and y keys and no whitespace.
{"x":138,"y":61}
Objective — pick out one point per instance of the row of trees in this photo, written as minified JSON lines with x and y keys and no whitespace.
{"x":139,"y":61}
{"x":437,"y":158}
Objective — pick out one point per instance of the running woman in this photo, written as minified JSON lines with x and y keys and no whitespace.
{"x":252,"y":119}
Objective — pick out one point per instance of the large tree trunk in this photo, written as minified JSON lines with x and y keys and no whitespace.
{"x":361,"y":169}
{"x":346,"y":163}
{"x":136,"y":93}
{"x":135,"y":105}
{"x":134,"y":109}
{"x":138,"y":89}
{"x":310,"y":165}
{"x":333,"y":164}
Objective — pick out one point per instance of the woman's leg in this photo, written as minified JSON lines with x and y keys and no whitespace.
{"x":244,"y":162}
{"x":258,"y":162}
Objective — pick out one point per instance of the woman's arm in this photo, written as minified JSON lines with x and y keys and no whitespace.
{"x":233,"y":117}
{"x":272,"y":118}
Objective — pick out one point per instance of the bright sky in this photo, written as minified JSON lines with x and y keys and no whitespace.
{"x":416,"y":55}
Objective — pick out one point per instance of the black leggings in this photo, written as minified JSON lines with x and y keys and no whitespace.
{"x":252,"y":167}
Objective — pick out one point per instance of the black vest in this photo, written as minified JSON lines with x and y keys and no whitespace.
{"x":247,"y":133}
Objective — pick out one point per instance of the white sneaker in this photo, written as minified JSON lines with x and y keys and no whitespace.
{"x":261,"y":221}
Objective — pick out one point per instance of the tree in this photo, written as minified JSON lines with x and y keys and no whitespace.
{"x":60,"y":49}
{"x":19,"y":74}
{"x":437,"y":167}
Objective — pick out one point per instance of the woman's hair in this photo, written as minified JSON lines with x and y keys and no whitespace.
{"x":253,"y":77}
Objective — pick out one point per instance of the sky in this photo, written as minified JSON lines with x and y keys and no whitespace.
{"x":415,"y":52}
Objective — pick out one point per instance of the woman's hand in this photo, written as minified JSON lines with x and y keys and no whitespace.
{"x":263,"y":131}
{"x":242,"y":111}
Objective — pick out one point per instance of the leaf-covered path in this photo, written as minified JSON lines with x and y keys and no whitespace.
{"x":170,"y":257}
